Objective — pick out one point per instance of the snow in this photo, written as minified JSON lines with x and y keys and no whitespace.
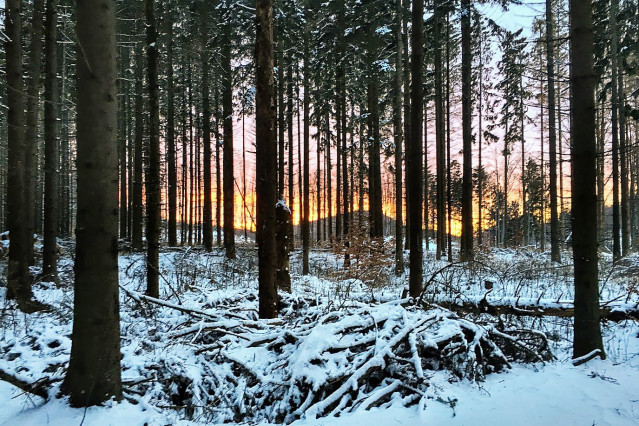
{"x":599,"y":393}
{"x":222,"y":296}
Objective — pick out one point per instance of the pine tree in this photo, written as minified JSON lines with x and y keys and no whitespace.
{"x":415,"y":154}
{"x":227,"y":113}
{"x":467,"y":195}
{"x":18,"y":278}
{"x":153,"y":171}
{"x":587,"y":337}
{"x":93,"y":375}
{"x":51,"y":151}
{"x":266,"y":160}
{"x":552,"y":135}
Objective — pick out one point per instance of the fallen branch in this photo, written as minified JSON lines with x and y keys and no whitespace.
{"x":191,"y":311}
{"x":38,"y":388}
{"x":533,"y":310}
{"x":585,"y":358}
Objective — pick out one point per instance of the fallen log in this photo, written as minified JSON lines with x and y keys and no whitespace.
{"x":564,"y":310}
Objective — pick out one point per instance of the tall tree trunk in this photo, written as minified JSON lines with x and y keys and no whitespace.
{"x":524,"y":202}
{"x":192,"y":176}
{"x":218,"y":176}
{"x":266,"y":164}
{"x":374,"y":165}
{"x":291,"y":165}
{"x":623,"y":167}
{"x":153,"y":177}
{"x":542,"y":233}
{"x":281,"y":127}
{"x":245,"y":207}
{"x":207,"y":212}
{"x":635,"y":185}
{"x":504,"y":208}
{"x":360,"y":167}
{"x":318,"y":169}
{"x":414,"y":160}
{"x":306,"y":232}
{"x":587,"y":335}
{"x":227,"y":113}
{"x":185,"y":150}
{"x":300,"y":155}
{"x":480,"y":136}
{"x":398,"y":135}
{"x":426,"y":178}
{"x":338,"y":157}
{"x":65,"y":163}
{"x":560,"y":166}
{"x":407,"y":127}
{"x":51,"y":99}
{"x":328,"y":173}
{"x":601,"y":198}
{"x":439,"y":134}
{"x":449,"y":186}
{"x":616,"y":225}
{"x":170,"y":138}
{"x":555,"y":254}
{"x":18,"y":279}
{"x":33,"y":202}
{"x":93,"y":375}
{"x":467,"y":176}
{"x":122,"y":141}
{"x":137,"y":210}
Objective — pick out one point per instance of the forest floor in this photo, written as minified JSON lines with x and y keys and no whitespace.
{"x":347,"y":349}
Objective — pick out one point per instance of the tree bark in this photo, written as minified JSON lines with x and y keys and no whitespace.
{"x":153,"y":172}
{"x":623,"y":166}
{"x":33,"y":202}
{"x":51,"y":100}
{"x":18,"y":278}
{"x":94,"y":370}
{"x":398,"y":136}
{"x":137,"y":210}
{"x":207,"y":211}
{"x":306,"y":231}
{"x":587,"y":335}
{"x":467,"y":175}
{"x":170,"y":137}
{"x":414,"y":160}
{"x":374,"y":165}
{"x":218,"y":175}
{"x":439,"y":134}
{"x":406,"y":18}
{"x":552,"y":135}
{"x":227,"y":113}
{"x":291,"y":165}
{"x":266,"y":164}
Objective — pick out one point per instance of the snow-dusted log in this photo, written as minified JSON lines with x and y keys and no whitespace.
{"x":537,"y":309}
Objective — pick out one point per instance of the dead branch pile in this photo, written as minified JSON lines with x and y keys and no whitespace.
{"x":217,"y":363}
{"x":316,"y":363}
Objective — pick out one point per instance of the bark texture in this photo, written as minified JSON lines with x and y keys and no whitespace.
{"x":94,"y":370}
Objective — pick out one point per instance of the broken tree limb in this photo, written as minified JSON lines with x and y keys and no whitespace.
{"x":38,"y":388}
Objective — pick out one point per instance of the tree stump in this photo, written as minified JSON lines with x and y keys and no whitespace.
{"x":283,"y":239}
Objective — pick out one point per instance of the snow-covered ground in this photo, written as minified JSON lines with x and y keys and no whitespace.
{"x":168,"y":355}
